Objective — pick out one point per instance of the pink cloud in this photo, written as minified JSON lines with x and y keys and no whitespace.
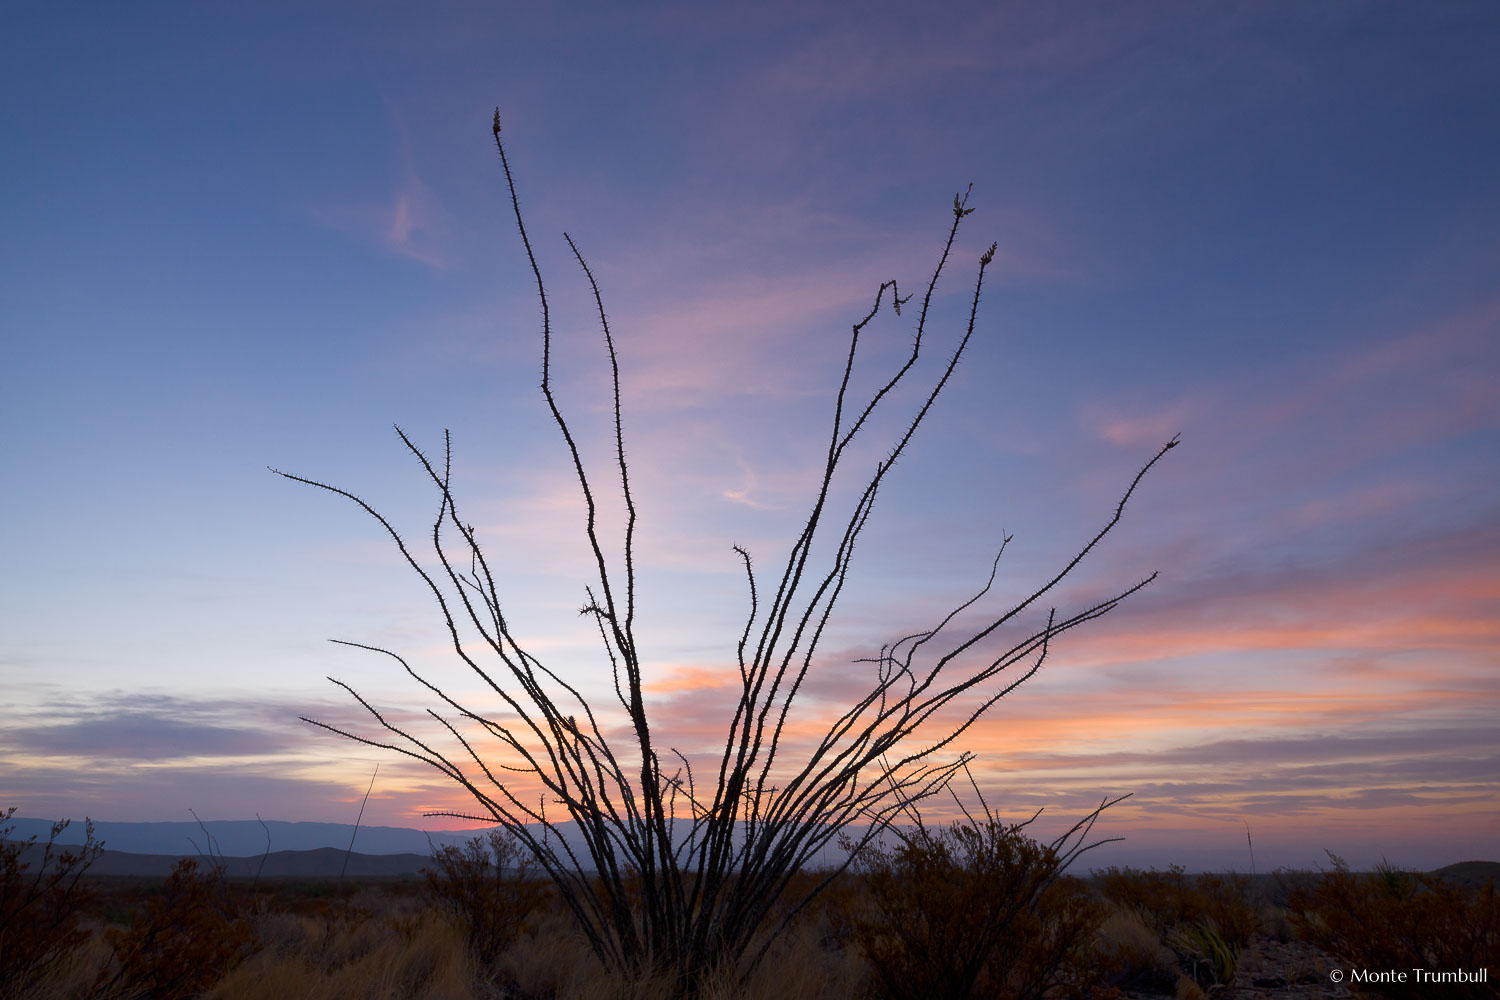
{"x":1361,"y":503}
{"x":1068,"y":738}
{"x":1148,"y":429}
{"x":413,"y":223}
{"x":1405,"y":390}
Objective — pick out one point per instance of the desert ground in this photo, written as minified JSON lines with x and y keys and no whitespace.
{"x":907,"y":924}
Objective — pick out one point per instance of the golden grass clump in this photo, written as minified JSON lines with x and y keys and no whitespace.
{"x":1130,"y":952}
{"x":374,"y":958}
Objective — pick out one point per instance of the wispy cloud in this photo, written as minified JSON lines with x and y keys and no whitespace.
{"x":412,"y":223}
{"x":1300,"y":701}
{"x":146,"y":755}
{"x":1136,"y":430}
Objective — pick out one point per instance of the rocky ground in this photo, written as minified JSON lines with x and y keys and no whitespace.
{"x":1285,"y":969}
{"x":1274,"y":969}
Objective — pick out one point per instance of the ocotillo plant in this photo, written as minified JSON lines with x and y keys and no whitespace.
{"x":679,"y":873}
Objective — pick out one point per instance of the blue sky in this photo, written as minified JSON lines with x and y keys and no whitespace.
{"x":240,"y":238}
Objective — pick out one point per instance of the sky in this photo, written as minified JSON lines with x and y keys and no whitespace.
{"x":249,"y":236}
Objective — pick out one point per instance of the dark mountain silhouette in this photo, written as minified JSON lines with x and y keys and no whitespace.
{"x":244,"y":838}
{"x":247,"y":839}
{"x":321,"y":863}
{"x":1471,"y":873}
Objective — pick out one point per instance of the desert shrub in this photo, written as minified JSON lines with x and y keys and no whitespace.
{"x":1162,"y":898}
{"x":1130,"y":954}
{"x":1171,"y":899}
{"x":1057,"y":945}
{"x":1392,"y":919}
{"x":39,"y":909}
{"x":831,"y":911}
{"x":1204,"y":920}
{"x":490,"y":886}
{"x":977,"y":909}
{"x":1228,"y":907}
{"x":186,"y":938}
{"x":1285,"y":881}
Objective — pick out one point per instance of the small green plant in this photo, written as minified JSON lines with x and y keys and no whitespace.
{"x":1393,"y":919}
{"x":1391,"y":882}
{"x":39,"y":909}
{"x":188,"y":937}
{"x":490,"y":886}
{"x":1211,"y":960}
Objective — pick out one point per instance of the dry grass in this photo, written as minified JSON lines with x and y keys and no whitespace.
{"x":553,"y":960}
{"x":1187,"y":989}
{"x":398,"y":942}
{"x":1133,"y":952}
{"x":378,"y":958}
{"x":74,"y":977}
{"x":375,"y":955}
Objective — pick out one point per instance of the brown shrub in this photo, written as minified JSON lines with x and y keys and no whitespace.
{"x":1229,"y":908}
{"x":39,"y":910}
{"x":977,"y":909}
{"x":1391,"y":919}
{"x":1057,"y":940}
{"x":1172,"y":899}
{"x":1205,"y":920}
{"x":1160,"y":897}
{"x":187,"y":938}
{"x":830,"y":914}
{"x":490,"y":886}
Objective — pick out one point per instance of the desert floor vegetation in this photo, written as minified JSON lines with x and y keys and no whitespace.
{"x":973,"y":910}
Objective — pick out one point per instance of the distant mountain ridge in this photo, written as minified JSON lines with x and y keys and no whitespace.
{"x":320,"y":863}
{"x":329,"y":862}
{"x":244,"y":838}
{"x":1471,"y":873}
{"x":247,"y":839}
